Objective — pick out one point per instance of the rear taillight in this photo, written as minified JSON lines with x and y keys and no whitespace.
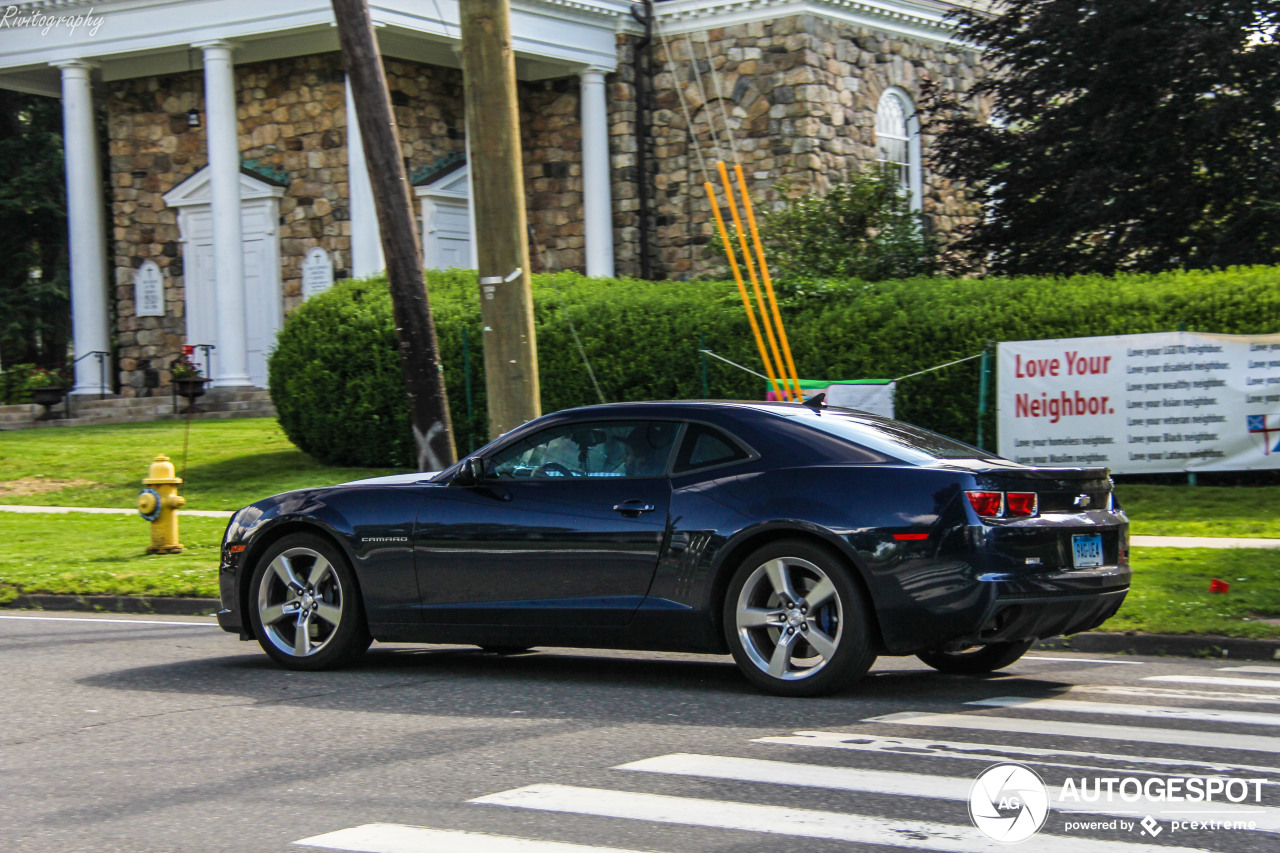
{"x":1020,"y":504}
{"x":988,"y":504}
{"x":1004,"y":505}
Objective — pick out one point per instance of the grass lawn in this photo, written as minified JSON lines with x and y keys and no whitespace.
{"x":1202,"y":510}
{"x":230,"y":463}
{"x":1170,"y":593}
{"x":84,"y":554}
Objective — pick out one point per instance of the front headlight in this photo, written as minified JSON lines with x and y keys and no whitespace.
{"x":239,"y":525}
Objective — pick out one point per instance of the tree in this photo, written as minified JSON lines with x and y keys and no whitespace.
{"x":35,"y":320}
{"x":1134,"y":135}
{"x":863,"y":228}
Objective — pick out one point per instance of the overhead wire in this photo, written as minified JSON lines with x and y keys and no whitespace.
{"x":564,"y":312}
{"x":781,"y":365}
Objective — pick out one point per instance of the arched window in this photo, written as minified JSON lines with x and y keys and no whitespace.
{"x":898,"y":142}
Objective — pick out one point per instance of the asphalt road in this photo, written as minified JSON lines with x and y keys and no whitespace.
{"x":165,"y":734}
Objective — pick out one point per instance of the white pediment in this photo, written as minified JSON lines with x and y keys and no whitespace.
{"x":195,"y":190}
{"x":455,"y":184}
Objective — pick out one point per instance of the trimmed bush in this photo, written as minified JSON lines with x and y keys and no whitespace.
{"x":642,"y":340}
{"x":335,"y":378}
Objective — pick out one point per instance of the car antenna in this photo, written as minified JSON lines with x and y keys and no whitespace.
{"x":817,"y":402}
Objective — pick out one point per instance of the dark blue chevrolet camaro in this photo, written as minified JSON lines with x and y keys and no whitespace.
{"x":803,"y":540}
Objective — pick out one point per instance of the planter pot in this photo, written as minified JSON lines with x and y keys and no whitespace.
{"x":49,"y":396}
{"x":190,"y":389}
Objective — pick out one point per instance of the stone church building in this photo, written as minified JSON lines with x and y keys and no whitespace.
{"x":237,"y":182}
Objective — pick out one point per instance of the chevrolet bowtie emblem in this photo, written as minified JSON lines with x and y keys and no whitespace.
{"x":1083,"y":501}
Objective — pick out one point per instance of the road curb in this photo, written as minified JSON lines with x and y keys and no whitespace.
{"x":117,"y":604}
{"x":1154,"y":645}
{"x":1175,"y":645}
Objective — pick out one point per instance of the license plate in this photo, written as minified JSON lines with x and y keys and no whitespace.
{"x":1086,"y":551}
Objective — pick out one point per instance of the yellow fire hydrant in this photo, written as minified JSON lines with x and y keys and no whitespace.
{"x":158,"y":504}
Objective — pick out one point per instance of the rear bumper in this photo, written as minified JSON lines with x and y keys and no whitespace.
{"x":1040,"y":617}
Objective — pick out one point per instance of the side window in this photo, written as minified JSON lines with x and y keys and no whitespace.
{"x":705,"y":446}
{"x":604,"y":449}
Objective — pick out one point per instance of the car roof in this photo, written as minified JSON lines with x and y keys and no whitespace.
{"x":694,"y":405}
{"x":691,"y":408}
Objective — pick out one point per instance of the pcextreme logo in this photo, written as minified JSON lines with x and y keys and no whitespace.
{"x":1009,"y":803}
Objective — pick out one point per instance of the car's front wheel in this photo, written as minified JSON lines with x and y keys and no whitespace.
{"x":977,"y":660}
{"x":796,"y":622}
{"x":305,"y":606}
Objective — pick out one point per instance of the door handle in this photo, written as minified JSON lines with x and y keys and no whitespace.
{"x":633,"y":507}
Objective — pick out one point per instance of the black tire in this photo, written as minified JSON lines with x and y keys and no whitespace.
{"x":505,"y":650}
{"x":760,"y":614}
{"x":978,"y":660}
{"x":303,"y":579}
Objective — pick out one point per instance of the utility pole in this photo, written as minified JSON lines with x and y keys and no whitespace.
{"x":415,"y":329}
{"x":497,"y":178}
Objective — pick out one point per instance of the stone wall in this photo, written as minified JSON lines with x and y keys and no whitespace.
{"x":800,"y":97}
{"x":551,"y":136}
{"x":293,"y":130}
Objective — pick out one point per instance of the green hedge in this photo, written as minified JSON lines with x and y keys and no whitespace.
{"x":335,"y":379}
{"x":642,"y":338}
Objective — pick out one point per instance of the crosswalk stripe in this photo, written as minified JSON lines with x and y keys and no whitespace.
{"x":967,"y":750}
{"x":1257,"y":670}
{"x":1249,"y":718}
{"x":895,"y":783}
{"x":1013,"y":725}
{"x":781,"y":820}
{"x":1084,"y":660}
{"x":1213,"y":679}
{"x":398,"y":838}
{"x":1175,"y":693}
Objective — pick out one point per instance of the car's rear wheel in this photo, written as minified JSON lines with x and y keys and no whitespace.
{"x":978,"y":659}
{"x":504,"y":650}
{"x":305,"y":606}
{"x":796,"y":622}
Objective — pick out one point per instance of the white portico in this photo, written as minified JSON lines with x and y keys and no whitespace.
{"x":247,"y":202}
{"x":215,"y":110}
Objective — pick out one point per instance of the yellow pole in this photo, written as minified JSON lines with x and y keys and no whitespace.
{"x":755,"y":283}
{"x":768,"y":283}
{"x":742,"y":288}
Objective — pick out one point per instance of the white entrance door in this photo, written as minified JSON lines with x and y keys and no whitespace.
{"x":446,"y":222}
{"x":264,"y":308}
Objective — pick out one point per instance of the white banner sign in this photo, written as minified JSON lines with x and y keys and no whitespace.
{"x":1159,"y":403}
{"x":876,"y":399}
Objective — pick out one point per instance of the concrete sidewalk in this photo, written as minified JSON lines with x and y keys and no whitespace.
{"x":1201,"y":542}
{"x":206,"y":513}
{"x":1135,"y":541}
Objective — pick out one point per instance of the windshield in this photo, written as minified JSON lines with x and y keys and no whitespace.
{"x":891,"y":438}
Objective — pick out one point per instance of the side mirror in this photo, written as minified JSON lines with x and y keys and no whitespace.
{"x":471,"y":472}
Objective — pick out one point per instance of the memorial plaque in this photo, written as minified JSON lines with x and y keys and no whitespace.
{"x":148,"y":291}
{"x":317,"y":272}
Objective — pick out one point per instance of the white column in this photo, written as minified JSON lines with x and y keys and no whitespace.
{"x":230,"y":359}
{"x":86,"y":230}
{"x":366,"y":239}
{"x":597,"y":196}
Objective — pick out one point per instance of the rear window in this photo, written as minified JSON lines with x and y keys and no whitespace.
{"x":891,"y":438}
{"x":706,"y":447}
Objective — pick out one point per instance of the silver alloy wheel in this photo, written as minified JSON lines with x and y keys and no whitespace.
{"x":300,"y":602}
{"x":789,"y":618}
